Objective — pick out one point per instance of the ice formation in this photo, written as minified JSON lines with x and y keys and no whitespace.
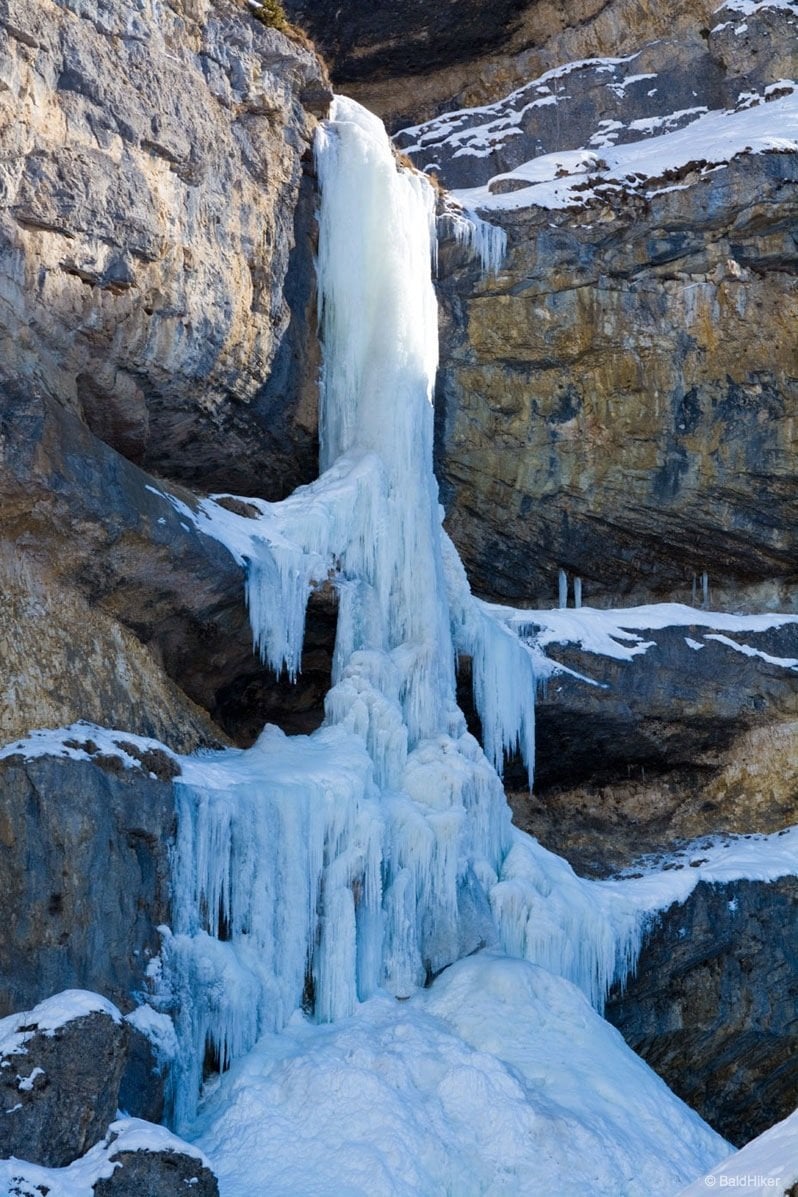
{"x":498,"y":1081}
{"x":318,"y":878}
{"x":312,"y":872}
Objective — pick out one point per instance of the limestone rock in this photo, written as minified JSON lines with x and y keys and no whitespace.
{"x":156,"y":258}
{"x":495,"y":49}
{"x":671,"y":706}
{"x":712,"y":1004}
{"x":84,"y":877}
{"x":676,"y":743}
{"x":86,"y":528}
{"x":60,"y":1069}
{"x":620,"y":401}
{"x":601,"y":826}
{"x":367,"y":42}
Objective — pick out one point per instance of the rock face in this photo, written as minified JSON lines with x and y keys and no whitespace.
{"x":620,"y":400}
{"x":678,"y":742}
{"x":59,"y":1080}
{"x":367,"y":42}
{"x":93,"y":548}
{"x":156,"y":273}
{"x":157,"y":307}
{"x":83,"y":877}
{"x":712,"y":1004}
{"x":460,"y":53}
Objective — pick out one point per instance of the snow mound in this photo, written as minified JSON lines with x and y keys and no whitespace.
{"x":500,"y":1080}
{"x":765,"y":1167}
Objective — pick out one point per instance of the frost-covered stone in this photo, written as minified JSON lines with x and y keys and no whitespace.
{"x":148,"y":1161}
{"x":134,"y":1159}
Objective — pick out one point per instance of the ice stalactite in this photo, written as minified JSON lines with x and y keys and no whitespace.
{"x":488,"y":242}
{"x":311,"y":871}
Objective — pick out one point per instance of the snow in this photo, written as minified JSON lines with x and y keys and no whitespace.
{"x":18,"y":1178}
{"x":25,"y":1083}
{"x":82,"y":741}
{"x":765,"y":1167}
{"x":712,"y":139}
{"x":50,"y":1016}
{"x":615,"y":632}
{"x":748,"y":8}
{"x":502,"y":118}
{"x":748,"y":651}
{"x":158,"y":1028}
{"x":718,"y":860}
{"x":500,"y":1079}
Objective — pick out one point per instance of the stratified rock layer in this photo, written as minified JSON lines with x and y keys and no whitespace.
{"x":712,"y":1005}
{"x":621,"y":400}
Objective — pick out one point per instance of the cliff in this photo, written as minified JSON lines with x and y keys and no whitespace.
{"x":157,"y":317}
{"x":617,"y":400}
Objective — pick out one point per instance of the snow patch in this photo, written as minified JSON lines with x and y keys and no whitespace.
{"x":749,"y":651}
{"x":615,"y":632}
{"x":766,"y":1166}
{"x":712,"y":139}
{"x":50,"y":1016}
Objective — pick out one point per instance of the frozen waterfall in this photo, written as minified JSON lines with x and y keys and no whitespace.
{"x":313,"y":872}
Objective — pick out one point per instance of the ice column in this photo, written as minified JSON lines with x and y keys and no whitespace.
{"x":311,"y":870}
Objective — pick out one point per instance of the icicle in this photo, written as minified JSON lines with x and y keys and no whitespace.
{"x":487,"y":241}
{"x":577,"y":592}
{"x":562,"y":598}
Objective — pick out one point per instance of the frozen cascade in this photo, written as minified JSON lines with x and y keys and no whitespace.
{"x":311,"y":872}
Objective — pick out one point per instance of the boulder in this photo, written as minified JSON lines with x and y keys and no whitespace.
{"x":149,"y":1161}
{"x":134,"y":1159}
{"x":60,"y":1068}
